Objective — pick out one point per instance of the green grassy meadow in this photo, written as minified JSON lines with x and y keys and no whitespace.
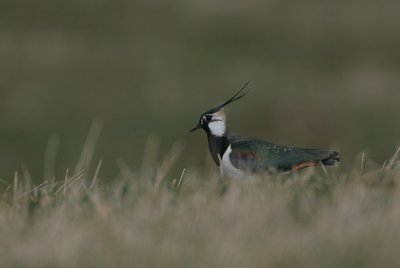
{"x":97,"y":166}
{"x":322,"y":74}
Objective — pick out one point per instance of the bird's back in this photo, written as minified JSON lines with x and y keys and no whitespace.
{"x":258,"y":156}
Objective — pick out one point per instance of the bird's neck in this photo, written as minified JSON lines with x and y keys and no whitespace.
{"x":217,"y":146}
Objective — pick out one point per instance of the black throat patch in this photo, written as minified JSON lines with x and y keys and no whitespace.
{"x":217,"y":146}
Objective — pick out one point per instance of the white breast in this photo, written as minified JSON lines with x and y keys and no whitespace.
{"x":227,"y":167}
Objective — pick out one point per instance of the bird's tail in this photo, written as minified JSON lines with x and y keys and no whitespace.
{"x":316,"y":157}
{"x":331,"y":158}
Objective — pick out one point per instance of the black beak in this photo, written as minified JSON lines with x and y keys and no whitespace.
{"x":195,"y":128}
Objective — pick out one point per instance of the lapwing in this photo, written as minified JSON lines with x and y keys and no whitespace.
{"x":240,"y":156}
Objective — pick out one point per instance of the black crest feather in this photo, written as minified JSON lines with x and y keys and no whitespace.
{"x":240,"y":94}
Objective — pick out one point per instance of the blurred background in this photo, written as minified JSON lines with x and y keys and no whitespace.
{"x":323,"y":74}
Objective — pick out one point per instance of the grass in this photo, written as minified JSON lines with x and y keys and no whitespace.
{"x":149,"y":218}
{"x":323,"y":74}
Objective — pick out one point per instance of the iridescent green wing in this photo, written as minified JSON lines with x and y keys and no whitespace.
{"x":260,"y":156}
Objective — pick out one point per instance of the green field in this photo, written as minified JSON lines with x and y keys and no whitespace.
{"x":323,"y":74}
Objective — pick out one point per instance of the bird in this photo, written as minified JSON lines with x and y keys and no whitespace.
{"x":240,"y":156}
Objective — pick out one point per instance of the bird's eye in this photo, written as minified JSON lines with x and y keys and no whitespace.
{"x":208,"y":117}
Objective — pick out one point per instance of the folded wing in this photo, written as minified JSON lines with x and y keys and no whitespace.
{"x":258,"y":156}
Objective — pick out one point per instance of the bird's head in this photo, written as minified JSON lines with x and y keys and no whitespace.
{"x":214,"y":120}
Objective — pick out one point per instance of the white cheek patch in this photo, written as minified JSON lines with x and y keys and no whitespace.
{"x":217,"y":128}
